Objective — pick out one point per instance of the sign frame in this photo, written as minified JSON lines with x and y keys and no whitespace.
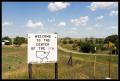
{"x":54,"y":48}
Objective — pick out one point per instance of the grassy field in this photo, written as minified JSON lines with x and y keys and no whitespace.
{"x":14,"y":66}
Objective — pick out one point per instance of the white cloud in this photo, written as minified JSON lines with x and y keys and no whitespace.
{"x":99,"y":17}
{"x":114,"y":27}
{"x":89,"y":28}
{"x":51,"y":19}
{"x":73,"y":30}
{"x":113,"y":13}
{"x":62,"y":24}
{"x":80,"y":21}
{"x":97,"y":25}
{"x":56,"y":6}
{"x":6,"y":23}
{"x":102,"y":5}
{"x":32,"y":24}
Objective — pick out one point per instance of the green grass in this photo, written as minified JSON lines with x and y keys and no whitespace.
{"x":14,"y":66}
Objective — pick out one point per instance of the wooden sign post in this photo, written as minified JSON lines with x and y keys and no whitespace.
{"x":56,"y":70}
{"x":30,"y":71}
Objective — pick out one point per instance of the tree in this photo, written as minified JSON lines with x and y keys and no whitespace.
{"x":117,"y":46}
{"x":19,"y":40}
{"x":87,"y":47}
{"x":91,"y":39}
{"x":111,"y":38}
{"x":99,"y":41}
{"x":56,"y":33}
{"x":67,"y":38}
{"x":86,"y":39}
{"x":114,"y":40}
{"x":70,"y":41}
{"x":79,"y":43}
{"x":24,"y":40}
{"x":64,"y":42}
{"x":93,"y":48}
{"x":8,"y":39}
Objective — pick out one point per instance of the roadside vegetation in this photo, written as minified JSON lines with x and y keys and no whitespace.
{"x":107,"y":45}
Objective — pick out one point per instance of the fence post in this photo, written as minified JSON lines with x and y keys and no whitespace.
{"x":30,"y":71}
{"x":109,"y":65}
{"x":9,"y":72}
{"x":94,"y":67}
{"x":56,"y":70}
{"x":89,"y":66}
{"x":71,"y":58}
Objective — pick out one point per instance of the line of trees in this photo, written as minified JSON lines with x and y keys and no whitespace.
{"x":17,"y":40}
{"x":91,"y":44}
{"x":84,"y":46}
{"x":20,"y":40}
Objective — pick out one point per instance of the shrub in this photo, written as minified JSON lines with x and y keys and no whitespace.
{"x":87,"y":47}
{"x":7,"y":43}
{"x":93,"y":49}
{"x":70,"y":41}
{"x":64,"y":42}
{"x":74,"y":46}
{"x":19,"y":40}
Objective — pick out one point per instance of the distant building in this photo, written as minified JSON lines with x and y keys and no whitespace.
{"x":4,"y":41}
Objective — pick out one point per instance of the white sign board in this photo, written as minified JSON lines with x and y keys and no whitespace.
{"x":42,"y":48}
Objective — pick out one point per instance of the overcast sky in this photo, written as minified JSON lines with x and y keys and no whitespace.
{"x":71,"y":19}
